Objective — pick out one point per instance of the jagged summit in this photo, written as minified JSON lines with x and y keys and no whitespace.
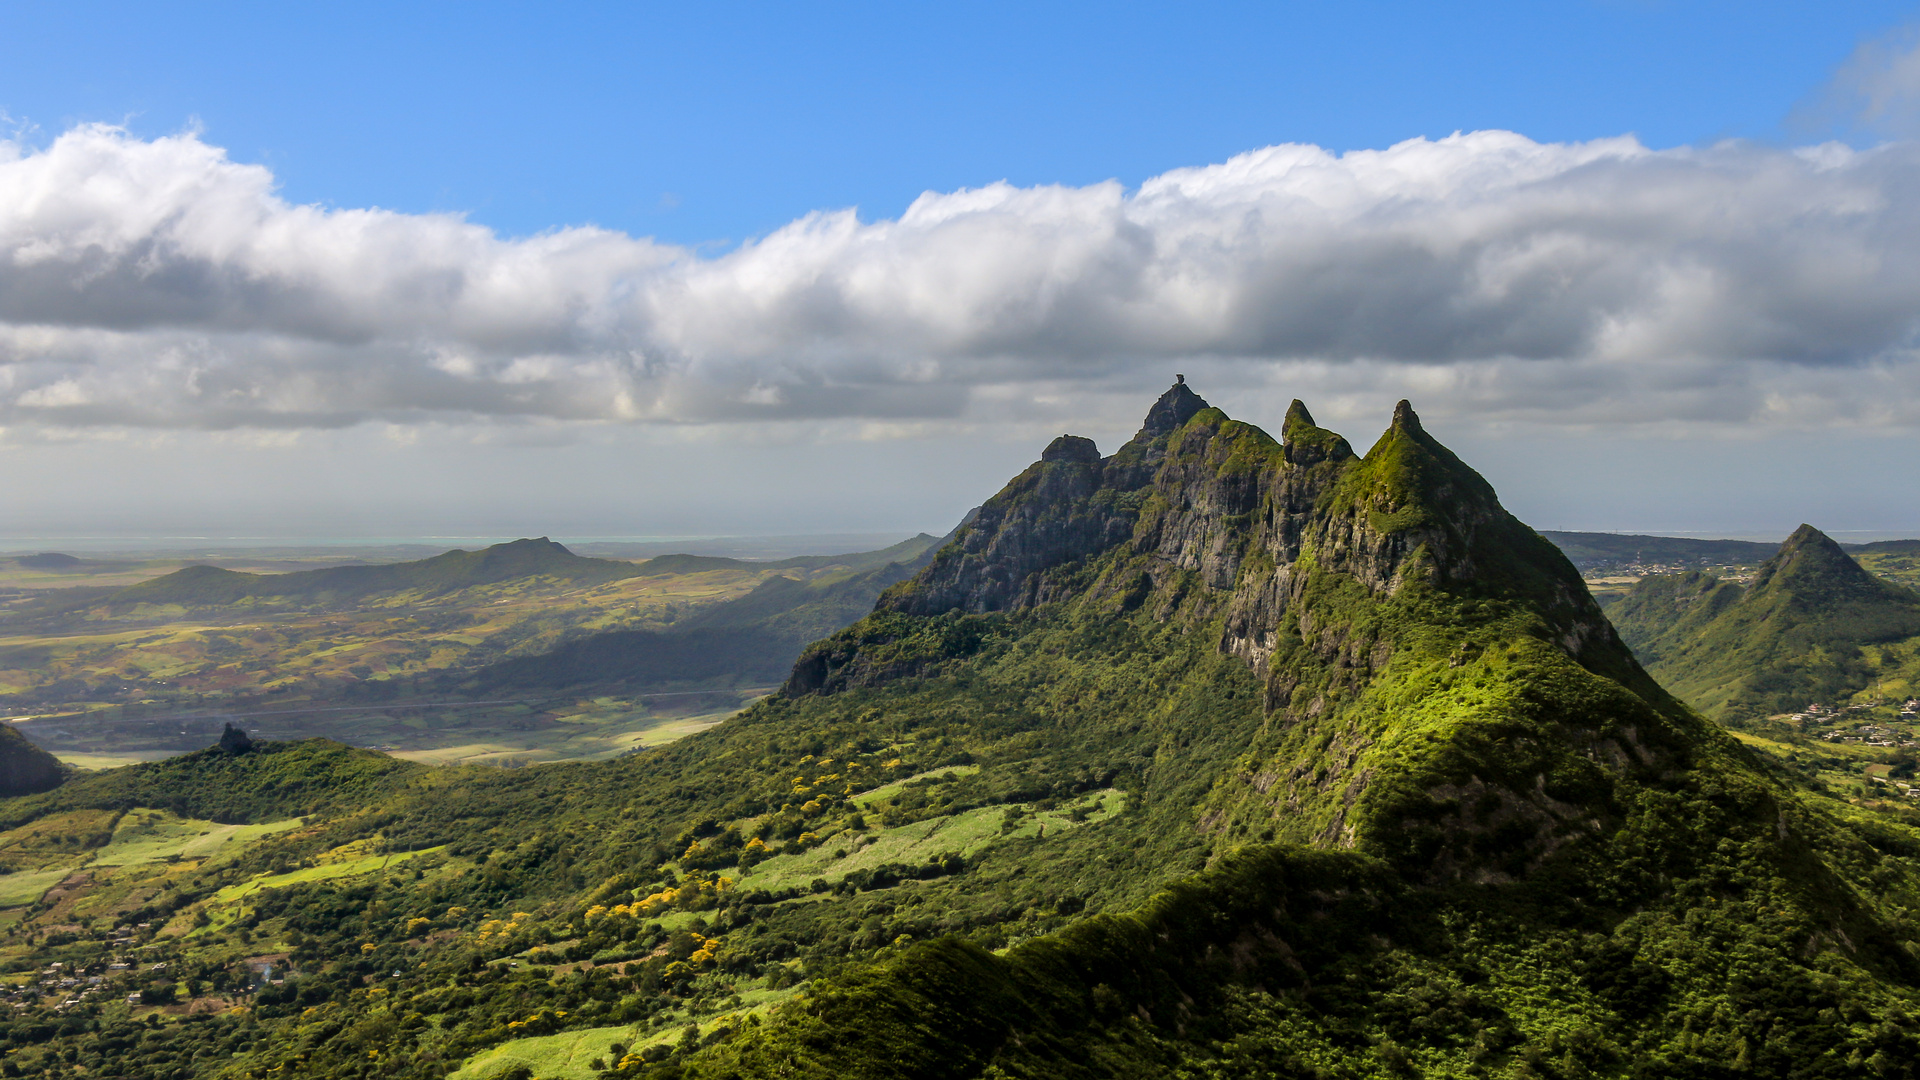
{"x":1231,"y":494}
{"x":1435,"y":683}
{"x":1175,"y":407}
{"x":1072,"y":448}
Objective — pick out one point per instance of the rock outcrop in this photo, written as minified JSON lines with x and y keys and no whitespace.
{"x":25,"y":769}
{"x":233,"y":740}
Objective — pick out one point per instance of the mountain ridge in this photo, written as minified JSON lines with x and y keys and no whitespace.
{"x":1290,"y":554}
{"x":1438,"y":692}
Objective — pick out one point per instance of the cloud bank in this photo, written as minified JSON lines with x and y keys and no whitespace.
{"x":156,"y":283}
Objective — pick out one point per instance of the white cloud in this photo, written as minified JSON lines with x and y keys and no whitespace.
{"x":1878,"y":88}
{"x":158,"y":284}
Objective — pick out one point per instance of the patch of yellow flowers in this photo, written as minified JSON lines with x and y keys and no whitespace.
{"x":691,"y":889}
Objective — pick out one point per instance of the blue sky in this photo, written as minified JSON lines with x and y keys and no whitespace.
{"x":487,"y":269}
{"x":715,"y":122}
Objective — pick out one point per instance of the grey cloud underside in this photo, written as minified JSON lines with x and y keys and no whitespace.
{"x":156,"y":283}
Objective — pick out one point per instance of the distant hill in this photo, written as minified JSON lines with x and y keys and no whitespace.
{"x":904,"y":551}
{"x":1885,"y":547}
{"x":1791,"y":637}
{"x":1592,"y":550}
{"x":50,"y":560}
{"x":753,"y":639}
{"x":208,"y":586}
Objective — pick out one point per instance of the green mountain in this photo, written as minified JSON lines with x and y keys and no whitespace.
{"x":209,"y":586}
{"x":1219,"y":757}
{"x":1793,"y":636}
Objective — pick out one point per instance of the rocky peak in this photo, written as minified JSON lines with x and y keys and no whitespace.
{"x":1209,"y":517}
{"x":235,"y":741}
{"x":1307,"y":443}
{"x":1072,"y":448}
{"x":1810,"y":569}
{"x":1175,"y":407}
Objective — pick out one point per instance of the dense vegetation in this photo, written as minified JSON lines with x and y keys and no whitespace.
{"x":1218,"y":757}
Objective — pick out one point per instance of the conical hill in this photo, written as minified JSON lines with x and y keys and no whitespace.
{"x":1793,"y":636}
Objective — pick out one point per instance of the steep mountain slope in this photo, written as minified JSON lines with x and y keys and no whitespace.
{"x":1215,"y":757}
{"x":1793,"y":636}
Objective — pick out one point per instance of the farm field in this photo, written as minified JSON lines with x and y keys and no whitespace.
{"x":506,"y":733}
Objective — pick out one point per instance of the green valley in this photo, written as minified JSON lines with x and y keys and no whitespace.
{"x":466,"y":656}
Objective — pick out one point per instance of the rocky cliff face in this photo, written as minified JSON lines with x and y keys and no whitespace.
{"x":1205,"y":513}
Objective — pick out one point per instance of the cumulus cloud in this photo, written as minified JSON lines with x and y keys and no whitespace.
{"x":158,"y":283}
